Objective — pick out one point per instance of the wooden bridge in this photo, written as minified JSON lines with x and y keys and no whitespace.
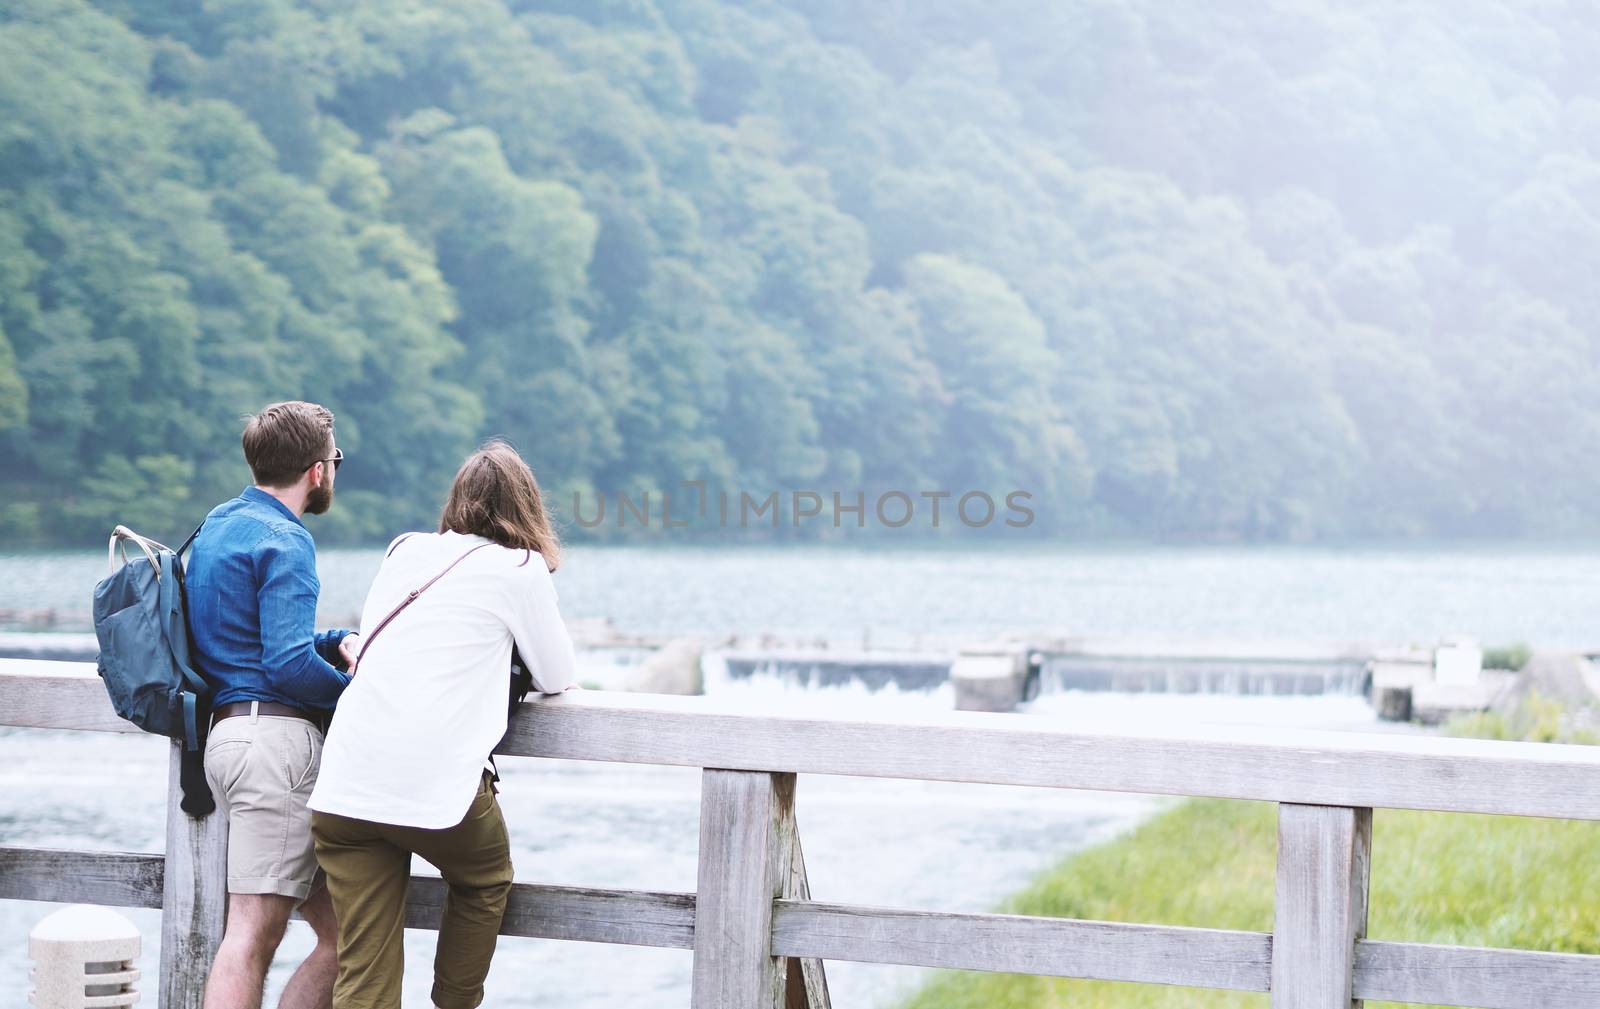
{"x":759,"y":941}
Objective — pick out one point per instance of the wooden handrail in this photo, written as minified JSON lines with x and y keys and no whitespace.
{"x":1382,"y":770}
{"x":771,"y":938}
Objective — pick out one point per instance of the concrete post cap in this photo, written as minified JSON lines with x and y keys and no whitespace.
{"x":984,"y":667}
{"x":84,"y":933}
{"x":993,"y":648}
{"x":83,"y":957}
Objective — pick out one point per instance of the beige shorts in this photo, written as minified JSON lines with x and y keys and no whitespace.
{"x":261,"y":770}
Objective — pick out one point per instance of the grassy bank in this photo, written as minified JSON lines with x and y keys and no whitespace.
{"x":1436,"y":877}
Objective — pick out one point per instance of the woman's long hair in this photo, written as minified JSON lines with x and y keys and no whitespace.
{"x":495,"y":496}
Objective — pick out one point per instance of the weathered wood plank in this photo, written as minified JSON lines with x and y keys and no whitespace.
{"x":57,"y":695}
{"x":804,"y":931}
{"x":1058,"y":947}
{"x":1324,"y":854}
{"x":746,"y":833}
{"x":808,"y":979}
{"x":1483,"y":978}
{"x":536,"y":910}
{"x":195,"y":897}
{"x":581,"y":914}
{"x":109,"y":878}
{"x":49,"y":646}
{"x":1305,"y":767}
{"x":1301,"y":766}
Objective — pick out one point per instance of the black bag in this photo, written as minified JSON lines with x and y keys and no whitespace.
{"x":521,"y":686}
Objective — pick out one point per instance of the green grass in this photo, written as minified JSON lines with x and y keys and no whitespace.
{"x":1508,"y":656}
{"x":1512,"y":657}
{"x":1457,"y":879}
{"x":1538,"y":719}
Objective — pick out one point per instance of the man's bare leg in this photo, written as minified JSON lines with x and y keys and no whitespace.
{"x":255,"y":927}
{"x":311,"y":987}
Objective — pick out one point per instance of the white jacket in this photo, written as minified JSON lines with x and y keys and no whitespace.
{"x":412,"y":733}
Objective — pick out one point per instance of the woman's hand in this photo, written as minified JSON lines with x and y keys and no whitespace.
{"x":349,"y":649}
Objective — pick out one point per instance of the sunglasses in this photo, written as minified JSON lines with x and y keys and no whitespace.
{"x":337,"y":459}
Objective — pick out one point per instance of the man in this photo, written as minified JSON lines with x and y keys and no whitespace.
{"x":252,"y":591}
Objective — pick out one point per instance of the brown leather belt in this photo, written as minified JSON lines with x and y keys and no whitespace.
{"x":235,"y":708}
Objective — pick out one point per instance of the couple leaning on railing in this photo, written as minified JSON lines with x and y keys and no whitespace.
{"x":325,"y":807}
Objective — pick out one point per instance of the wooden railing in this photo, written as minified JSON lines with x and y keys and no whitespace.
{"x":758,"y":939}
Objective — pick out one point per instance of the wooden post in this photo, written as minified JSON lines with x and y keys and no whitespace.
{"x":1324,"y":855}
{"x":194,"y":896}
{"x":746,"y":848}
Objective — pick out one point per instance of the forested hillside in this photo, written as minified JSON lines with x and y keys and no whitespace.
{"x":1246,"y":269}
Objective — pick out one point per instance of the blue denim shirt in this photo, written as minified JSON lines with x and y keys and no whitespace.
{"x":252,"y":592}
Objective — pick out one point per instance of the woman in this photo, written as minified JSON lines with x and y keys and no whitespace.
{"x":405,"y":765}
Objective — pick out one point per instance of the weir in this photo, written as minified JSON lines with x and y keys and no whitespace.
{"x":1063,"y":671}
{"x":1201,"y":675}
{"x":759,"y":941}
{"x":874,"y":670}
{"x":1063,"y":665}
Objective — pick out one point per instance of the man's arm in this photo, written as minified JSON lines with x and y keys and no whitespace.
{"x":327,"y":643}
{"x":287,"y":598}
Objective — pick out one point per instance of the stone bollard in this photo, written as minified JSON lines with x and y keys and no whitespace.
{"x":83,"y":956}
{"x":1393,"y":703}
{"x":990,"y":677}
{"x":674,"y":668}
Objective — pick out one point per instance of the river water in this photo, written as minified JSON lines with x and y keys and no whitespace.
{"x":894,"y":843}
{"x":1547,"y":595}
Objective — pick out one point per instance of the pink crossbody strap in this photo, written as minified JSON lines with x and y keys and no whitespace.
{"x":410,"y":598}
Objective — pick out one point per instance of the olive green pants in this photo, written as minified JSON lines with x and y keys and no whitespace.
{"x":368,"y":866}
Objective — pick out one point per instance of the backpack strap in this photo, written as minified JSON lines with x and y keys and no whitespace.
{"x":188,"y":542}
{"x":123,"y":535}
{"x":197,"y":798}
{"x":410,"y":598}
{"x":191,"y":722}
{"x":174,"y":623}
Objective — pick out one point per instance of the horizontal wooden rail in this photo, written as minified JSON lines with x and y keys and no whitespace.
{"x":1063,"y":947}
{"x":580,"y":914}
{"x":1210,"y":958}
{"x":1471,"y":976}
{"x":57,"y":695}
{"x":111,"y":878}
{"x":1164,"y":954}
{"x":1113,"y":951}
{"x":1301,"y":766}
{"x":534,"y":910}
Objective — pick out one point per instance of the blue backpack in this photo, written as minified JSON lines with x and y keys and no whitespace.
{"x":141,"y":622}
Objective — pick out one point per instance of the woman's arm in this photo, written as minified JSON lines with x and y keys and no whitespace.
{"x":540,"y":633}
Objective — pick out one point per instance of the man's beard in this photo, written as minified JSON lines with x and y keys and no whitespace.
{"x":319,"y":499}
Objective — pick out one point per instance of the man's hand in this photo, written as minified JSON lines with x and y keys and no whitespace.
{"x":349,"y":648}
